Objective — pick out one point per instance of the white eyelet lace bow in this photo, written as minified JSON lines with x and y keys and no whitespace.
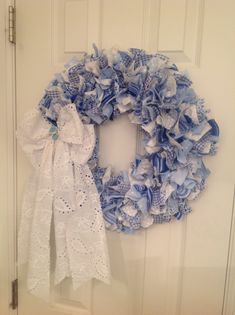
{"x":61,"y":192}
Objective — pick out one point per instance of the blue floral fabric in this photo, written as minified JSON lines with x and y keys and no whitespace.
{"x":177,"y":132}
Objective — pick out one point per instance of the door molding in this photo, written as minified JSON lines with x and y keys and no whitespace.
{"x":229,"y":289}
{"x":8,"y":217}
{"x":8,"y":225}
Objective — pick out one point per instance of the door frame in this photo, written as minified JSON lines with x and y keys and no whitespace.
{"x":8,"y":179}
{"x":8,"y":270}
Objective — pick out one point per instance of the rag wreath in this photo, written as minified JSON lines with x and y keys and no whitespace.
{"x":69,"y":189}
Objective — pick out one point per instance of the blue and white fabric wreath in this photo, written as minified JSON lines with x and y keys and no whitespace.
{"x":177,"y":133}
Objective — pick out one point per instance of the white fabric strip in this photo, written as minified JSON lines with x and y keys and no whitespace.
{"x":62,"y":192}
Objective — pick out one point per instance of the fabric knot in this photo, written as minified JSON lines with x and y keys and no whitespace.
{"x":54,"y":132}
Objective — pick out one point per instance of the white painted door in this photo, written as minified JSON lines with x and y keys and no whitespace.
{"x":176,"y":268}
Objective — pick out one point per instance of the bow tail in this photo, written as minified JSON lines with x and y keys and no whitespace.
{"x":27,"y":212}
{"x":86,"y":237}
{"x":81,"y":251}
{"x":64,"y":190}
{"x":63,"y":208}
{"x":38,"y":280}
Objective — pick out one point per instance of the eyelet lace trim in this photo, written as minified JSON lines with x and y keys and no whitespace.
{"x":61,"y":192}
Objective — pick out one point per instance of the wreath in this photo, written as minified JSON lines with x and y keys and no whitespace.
{"x":71,"y":196}
{"x":177,"y":132}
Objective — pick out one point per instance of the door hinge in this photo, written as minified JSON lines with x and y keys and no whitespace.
{"x":14,"y":294}
{"x":11,"y":24}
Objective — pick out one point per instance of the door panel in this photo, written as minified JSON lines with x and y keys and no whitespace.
{"x":176,"y":268}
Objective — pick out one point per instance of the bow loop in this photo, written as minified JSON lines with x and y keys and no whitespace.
{"x":35,"y":133}
{"x":72,"y":131}
{"x":70,"y":126}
